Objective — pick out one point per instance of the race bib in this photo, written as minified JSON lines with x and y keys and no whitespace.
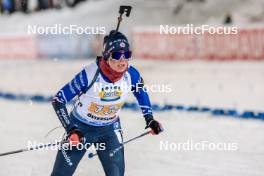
{"x":104,"y":110}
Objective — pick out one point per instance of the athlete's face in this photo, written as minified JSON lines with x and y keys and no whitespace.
{"x":118,"y":65}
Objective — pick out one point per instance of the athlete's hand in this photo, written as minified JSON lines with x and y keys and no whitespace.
{"x":75,"y":137}
{"x":155,"y":126}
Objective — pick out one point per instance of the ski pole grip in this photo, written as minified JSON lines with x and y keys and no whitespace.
{"x":125,"y":9}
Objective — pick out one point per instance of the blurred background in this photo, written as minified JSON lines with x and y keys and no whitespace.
{"x":216,"y":81}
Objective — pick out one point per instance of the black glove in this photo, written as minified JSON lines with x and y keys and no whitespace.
{"x":154,"y":125}
{"x":75,"y":136}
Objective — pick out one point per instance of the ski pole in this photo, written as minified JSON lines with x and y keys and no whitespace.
{"x":123,"y":9}
{"x":91,"y":155}
{"x":32,"y":148}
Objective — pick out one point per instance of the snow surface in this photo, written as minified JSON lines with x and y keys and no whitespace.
{"x":216,"y":84}
{"x":237,"y":85}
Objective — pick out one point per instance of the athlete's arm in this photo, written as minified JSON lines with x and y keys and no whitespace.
{"x":65,"y":95}
{"x":140,"y":93}
{"x":143,"y":100}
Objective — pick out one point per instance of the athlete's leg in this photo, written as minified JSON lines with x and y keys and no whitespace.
{"x":113,"y":165}
{"x":67,"y":161}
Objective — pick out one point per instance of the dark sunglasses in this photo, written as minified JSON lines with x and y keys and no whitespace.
{"x":117,"y":55}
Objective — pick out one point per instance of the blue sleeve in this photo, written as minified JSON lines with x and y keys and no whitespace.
{"x":139,"y":92}
{"x":73,"y":88}
{"x":66,"y":94}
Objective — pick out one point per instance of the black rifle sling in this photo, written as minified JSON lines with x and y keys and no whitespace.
{"x":90,"y":85}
